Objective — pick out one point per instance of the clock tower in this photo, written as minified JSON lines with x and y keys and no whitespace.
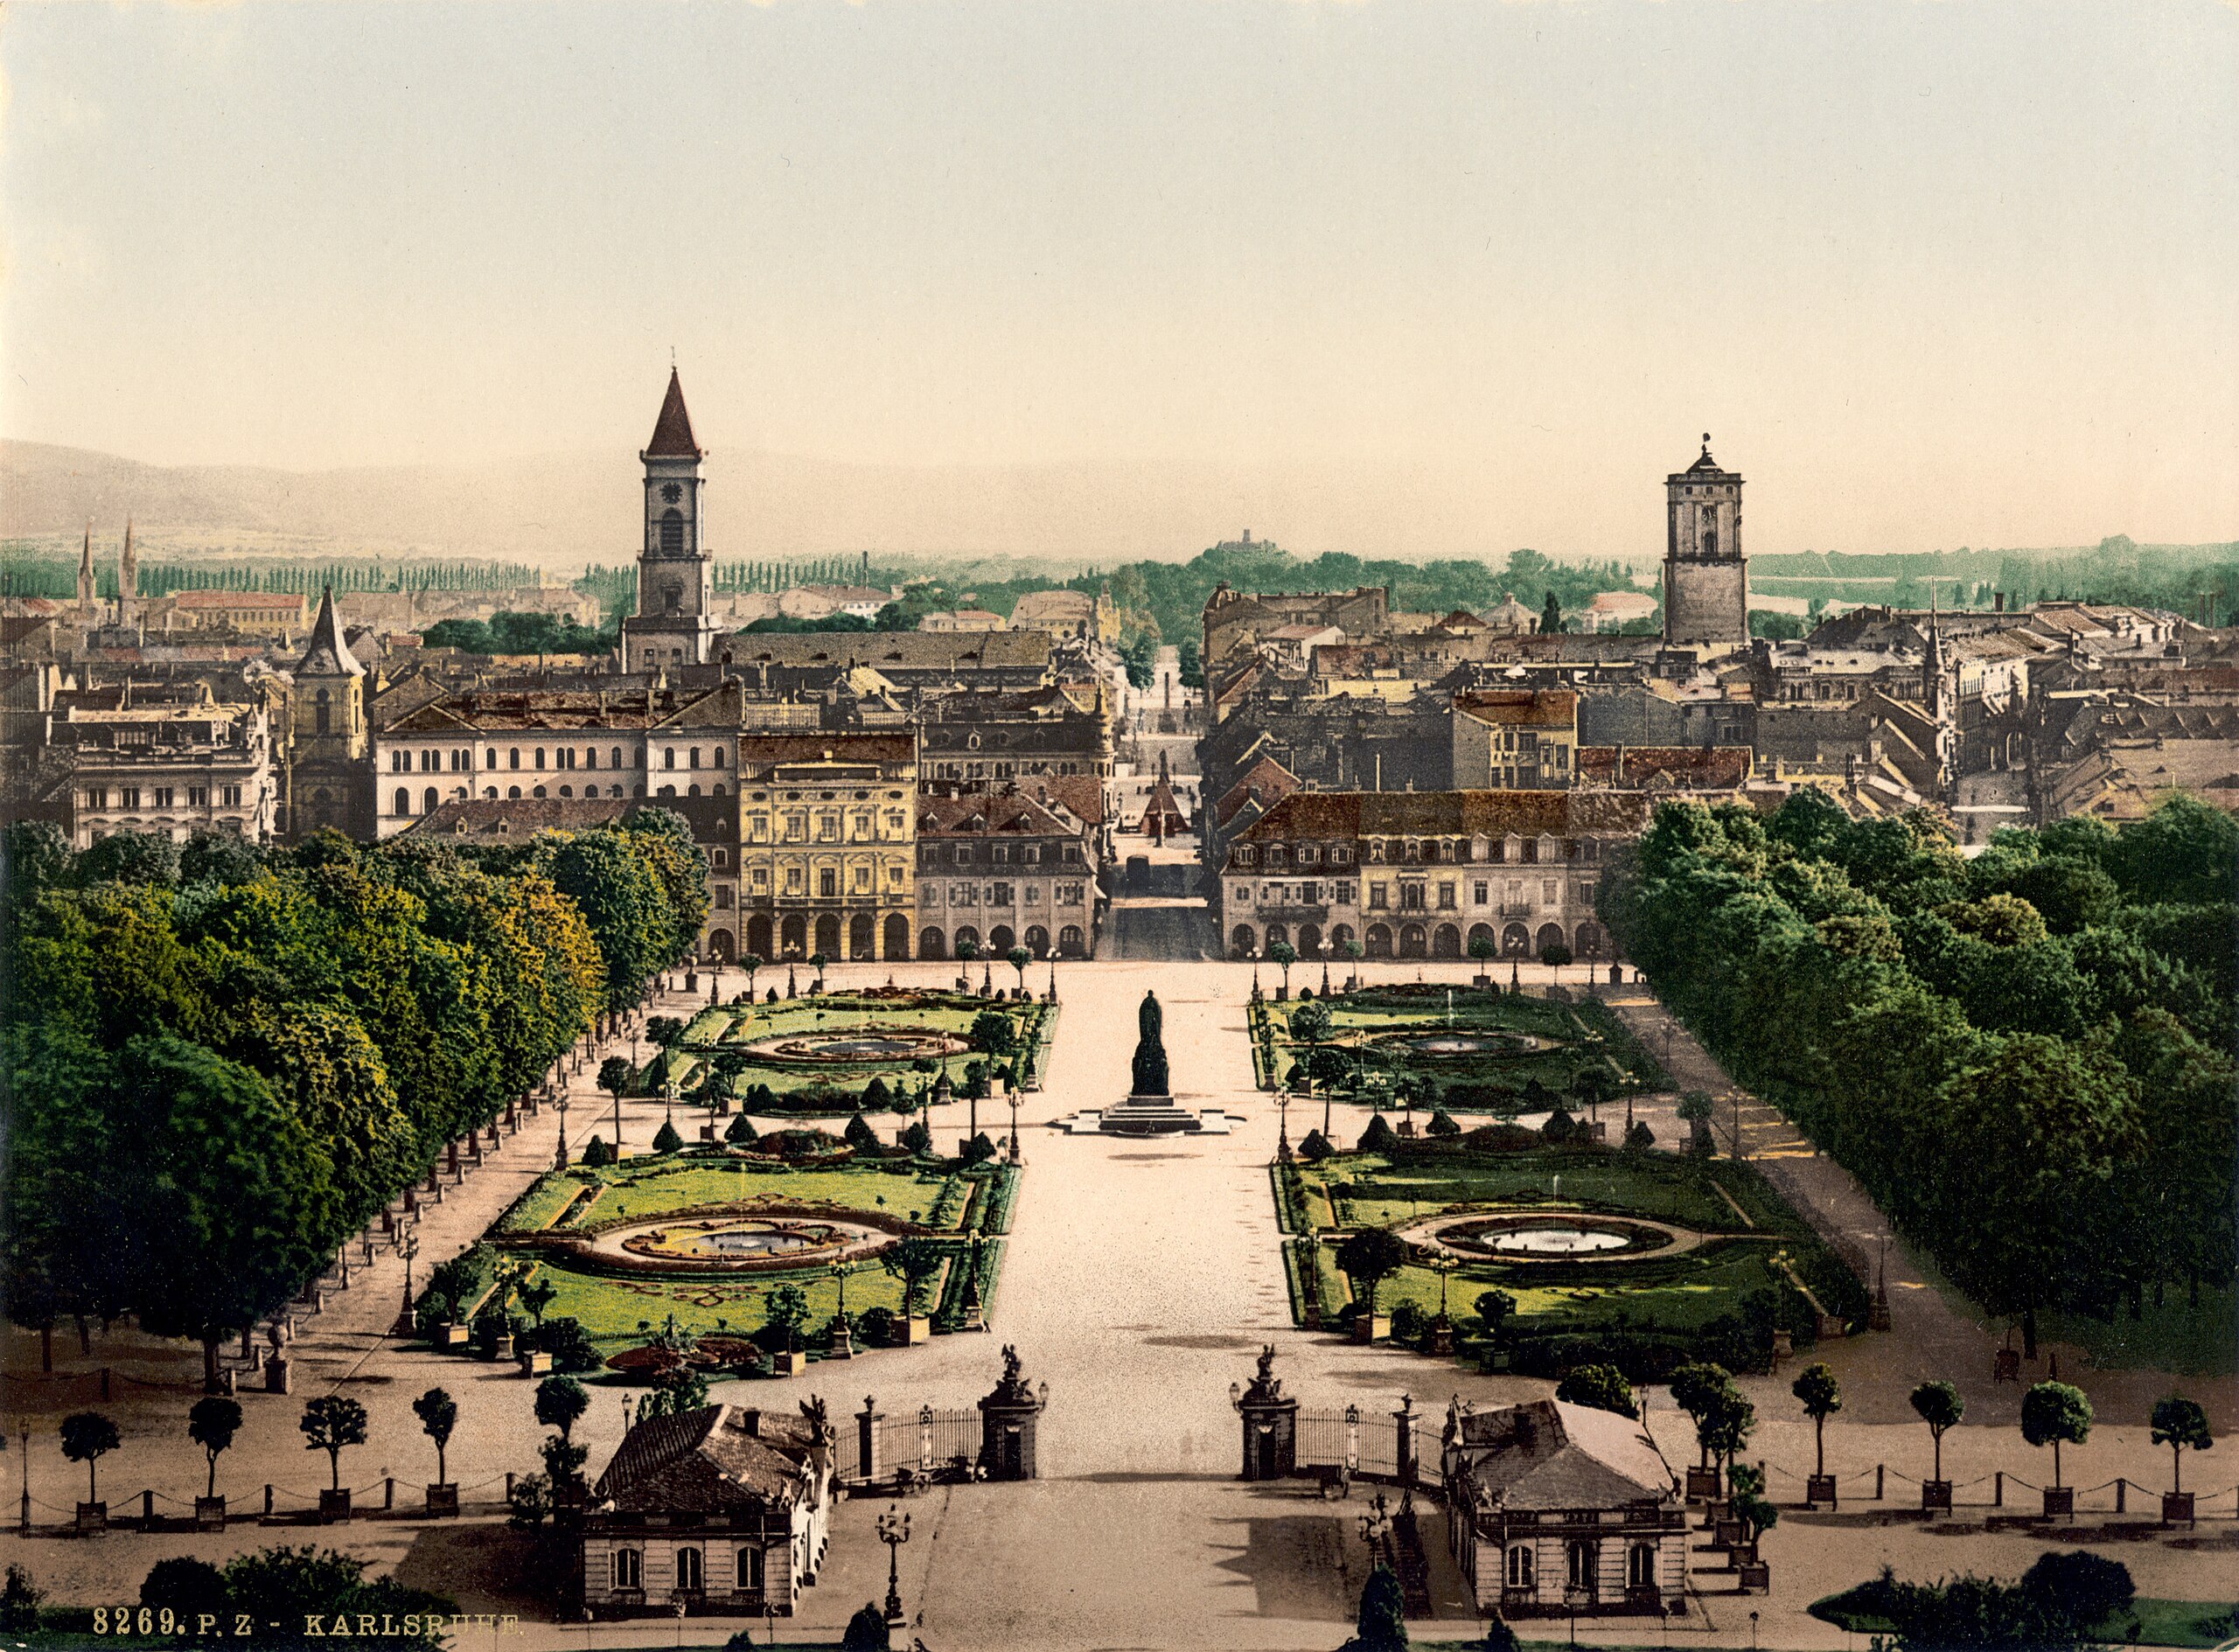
{"x":673,"y":625}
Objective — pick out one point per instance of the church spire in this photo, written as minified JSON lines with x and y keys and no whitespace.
{"x":673,"y":436}
{"x":86,"y":571}
{"x":328,"y":653}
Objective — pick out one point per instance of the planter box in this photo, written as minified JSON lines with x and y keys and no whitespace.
{"x":536,"y":1364}
{"x":1702,"y":1483}
{"x":2175,"y":1506}
{"x":1758,"y":1577}
{"x":915,"y":1328}
{"x":92,"y":1519}
{"x":504,"y":1350}
{"x":448,"y":1336}
{"x":443,"y":1499}
{"x":209,"y":1514}
{"x":2060,"y":1500}
{"x":785,"y":1364}
{"x":1819,"y":1488}
{"x":334,"y":1507}
{"x":1935,"y":1495}
{"x":1727,"y":1535}
{"x":1372,"y":1328}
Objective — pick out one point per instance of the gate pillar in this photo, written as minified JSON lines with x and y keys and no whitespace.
{"x":1270,"y":1422}
{"x":1009,"y":1417}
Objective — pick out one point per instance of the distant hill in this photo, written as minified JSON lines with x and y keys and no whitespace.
{"x":568,"y":509}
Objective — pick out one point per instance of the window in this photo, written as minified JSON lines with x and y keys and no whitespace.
{"x":462,"y":760}
{"x":1585,"y":1565}
{"x":792,"y":880}
{"x":198,"y":797}
{"x":692,"y":758}
{"x":164,"y":795}
{"x":230,"y":796}
{"x":1379,"y":895}
{"x":97,"y":796}
{"x":614,"y":758}
{"x":998,"y":894}
{"x":629,"y":1569}
{"x":1547,"y":891}
{"x":672,"y":531}
{"x":400,"y":762}
{"x":1479,"y":893}
{"x":323,"y":715}
{"x":827,"y":882}
{"x":749,"y":1571}
{"x":1520,"y":1570}
{"x":403,"y":801}
{"x":720,"y":857}
{"x":513,"y":758}
{"x":668,"y":756}
{"x":1446,"y":897}
{"x":539,"y":756}
{"x":691,"y":1572}
{"x":722,"y":760}
{"x":489,"y":758}
{"x":590,"y":756}
{"x":430,"y":760}
{"x":1640,"y":1566}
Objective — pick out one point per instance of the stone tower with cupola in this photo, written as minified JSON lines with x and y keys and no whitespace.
{"x":1705,"y":574}
{"x":674,"y":624}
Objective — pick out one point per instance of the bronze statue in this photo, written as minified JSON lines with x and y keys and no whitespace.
{"x":1150,"y":1049}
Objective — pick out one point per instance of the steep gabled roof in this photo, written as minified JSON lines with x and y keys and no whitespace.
{"x":673,"y":430}
{"x":705,"y":1461}
{"x":1548,"y":1455}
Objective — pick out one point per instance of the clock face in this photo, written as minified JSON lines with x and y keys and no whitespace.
{"x":672,"y":493}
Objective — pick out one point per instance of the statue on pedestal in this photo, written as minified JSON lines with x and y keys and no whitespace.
{"x":1150,"y":1049}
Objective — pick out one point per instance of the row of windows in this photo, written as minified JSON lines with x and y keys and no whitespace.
{"x":691,"y":1570}
{"x":1414,"y":897}
{"x":1001,"y":894}
{"x":162,"y":797}
{"x":967,"y":853}
{"x":1583,"y":1559}
{"x":461,"y":758}
{"x":793,"y":826}
{"x":1513,"y":850}
{"x":432,"y":796}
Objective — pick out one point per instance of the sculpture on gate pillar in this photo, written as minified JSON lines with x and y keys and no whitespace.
{"x":1150,"y":1074}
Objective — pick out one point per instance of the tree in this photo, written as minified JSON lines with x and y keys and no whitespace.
{"x":1484,"y":949}
{"x":86,"y":1437}
{"x":2181,"y":1424}
{"x":596,"y":1154}
{"x":1555,"y":955}
{"x":19,"y":1601}
{"x":786,"y":1311}
{"x":1822,"y":1397}
{"x":664,"y":1031}
{"x":614,"y":1075}
{"x":332,"y":1423}
{"x":1283,"y":954}
{"x":967,"y":950}
{"x":1939,"y":1405}
{"x":1746,"y":1483}
{"x":2085,"y":1588}
{"x":536,"y":1296}
{"x":665,"y":1140}
{"x":1601,"y":1387}
{"x":187,"y":1588}
{"x":1695,"y":1110}
{"x":1018,"y":958}
{"x":914,"y":1260}
{"x":438,"y":1415}
{"x":1498,"y":1636}
{"x":1551,"y":617}
{"x":1442,"y":1125}
{"x":751,"y":964}
{"x":1369,"y":1256}
{"x":1494,"y":1309}
{"x":865,"y":1631}
{"x":1382,"y":1625}
{"x":211,"y":1424}
{"x":2055,"y":1414}
{"x":994,"y":1032}
{"x":817,"y":961}
{"x":559,"y":1402}
{"x":1698,"y":1389}
{"x":1379,"y":1137}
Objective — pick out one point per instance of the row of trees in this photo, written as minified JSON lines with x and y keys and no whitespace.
{"x":511,"y":633}
{"x":224,"y":1061}
{"x":2026,"y":1057}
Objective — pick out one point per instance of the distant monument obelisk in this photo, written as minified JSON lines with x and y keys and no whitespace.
{"x":1150,"y":1049}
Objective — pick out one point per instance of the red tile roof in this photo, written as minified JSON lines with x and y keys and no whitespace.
{"x":1522,"y":707}
{"x":1662,"y":768}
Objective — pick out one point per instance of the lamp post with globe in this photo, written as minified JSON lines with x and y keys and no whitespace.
{"x":893,"y":1529}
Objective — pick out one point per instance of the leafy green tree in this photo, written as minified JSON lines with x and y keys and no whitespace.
{"x":1602,"y":1388}
{"x":561,"y":1402}
{"x":2054,"y":1414}
{"x":1494,"y":1307}
{"x":438,"y":1415}
{"x":187,"y":1588}
{"x":914,"y":1261}
{"x":665,"y":1140}
{"x":1442,"y":1125}
{"x":2181,"y":1424}
{"x":1382,"y":1623}
{"x":1283,"y":954}
{"x":1018,"y":958}
{"x":596,"y":1154}
{"x":86,"y":1437}
{"x":1821,"y":1396}
{"x":623,"y":902}
{"x":1555,"y":955}
{"x":865,"y":1631}
{"x":211,"y":1424}
{"x":332,"y":1423}
{"x":2085,"y":1588}
{"x":741,"y":1132}
{"x":994,"y":1033}
{"x":1757,"y":1515}
{"x":1369,"y":1256}
{"x":786,"y":1311}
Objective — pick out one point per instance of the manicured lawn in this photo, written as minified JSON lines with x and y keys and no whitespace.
{"x":1651,"y":1295}
{"x":1571,"y":1038}
{"x":615,"y":1310}
{"x":2150,"y":1621}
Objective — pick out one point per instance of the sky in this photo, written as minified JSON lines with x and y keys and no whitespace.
{"x":1933,"y":273}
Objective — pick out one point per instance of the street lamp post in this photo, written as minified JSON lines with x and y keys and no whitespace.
{"x":1014,"y":1101}
{"x":1574,"y":1597}
{"x":893,"y":1531}
{"x":1283,"y":1128}
{"x":559,"y":1156}
{"x":408,"y":1319}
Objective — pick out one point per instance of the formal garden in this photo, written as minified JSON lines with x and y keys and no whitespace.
{"x":744,"y":1260}
{"x":830,"y":1055}
{"x":1543,"y":1251}
{"x":1463,"y":1050}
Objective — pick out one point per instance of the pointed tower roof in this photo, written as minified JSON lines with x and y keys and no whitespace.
{"x":86,"y":556}
{"x":328,"y":654}
{"x":128,"y":566}
{"x":673,"y":430}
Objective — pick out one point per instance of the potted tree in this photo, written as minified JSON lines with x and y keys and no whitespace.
{"x":1368,"y":1257}
{"x":1938,"y":1404}
{"x":1822,"y":1397}
{"x":329,"y":1423}
{"x":1018,"y":958}
{"x":1282,"y":955}
{"x":1484,"y":949}
{"x":536,"y":1296}
{"x":1755,"y":1516}
{"x":817,"y":961}
{"x":787,"y":1312}
{"x":211,"y":1424}
{"x":1354,"y":953}
{"x":1695,"y":1110}
{"x":1494,"y":1309}
{"x":86,"y":1437}
{"x":914,"y":1261}
{"x":2181,"y":1424}
{"x":561,"y":1402}
{"x":1554,"y":955}
{"x":438,"y":1415}
{"x":1698,"y":1389}
{"x":2055,"y":1414}
{"x":614,"y":1075}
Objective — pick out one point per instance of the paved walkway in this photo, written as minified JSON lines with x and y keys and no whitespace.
{"x":1140,"y":1279}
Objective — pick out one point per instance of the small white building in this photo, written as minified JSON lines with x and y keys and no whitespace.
{"x":1547,"y":1498}
{"x":725,"y":1510}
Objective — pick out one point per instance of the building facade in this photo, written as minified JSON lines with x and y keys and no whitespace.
{"x":725,"y":1510}
{"x":1513,"y":738}
{"x":171,"y":761}
{"x":329,"y":756}
{"x":1000,"y":870}
{"x":827,"y":850}
{"x":982,"y":738}
{"x":1424,"y":874}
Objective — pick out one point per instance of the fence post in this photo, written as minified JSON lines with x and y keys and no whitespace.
{"x":388,"y":1492}
{"x":509,"y":1486}
{"x":267,"y":1500}
{"x":1880,"y":1471}
{"x":148,"y":1511}
{"x":104,"y":1382}
{"x":867,"y":1440}
{"x":2122,"y":1494}
{"x":1997,"y":1491}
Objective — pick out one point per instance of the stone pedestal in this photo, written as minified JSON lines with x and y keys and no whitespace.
{"x":275,"y":1376}
{"x":842,"y":1345}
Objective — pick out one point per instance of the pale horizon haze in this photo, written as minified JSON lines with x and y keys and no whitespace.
{"x":1447,"y":278}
